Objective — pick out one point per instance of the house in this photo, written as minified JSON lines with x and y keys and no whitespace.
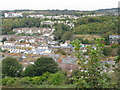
{"x":114,"y":38}
{"x":52,"y":42}
{"x":43,"y":47}
{"x":32,"y":40}
{"x":13,"y":14}
{"x":47,"y":51}
{"x":47,"y":23}
{"x":64,"y":44}
{"x":1,"y":43}
{"x":36,"y":16}
{"x":27,"y":30}
{"x":33,"y":30}
{"x":9,"y":43}
{"x":68,"y":67}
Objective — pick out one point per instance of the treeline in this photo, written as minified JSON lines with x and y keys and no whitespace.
{"x":11,"y":67}
{"x":96,"y":25}
{"x":53,"y":12}
{"x":44,"y":72}
{"x":104,"y":26}
{"x":9,"y":24}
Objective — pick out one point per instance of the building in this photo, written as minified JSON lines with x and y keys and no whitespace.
{"x":114,"y":39}
{"x":13,"y":14}
{"x":32,"y":30}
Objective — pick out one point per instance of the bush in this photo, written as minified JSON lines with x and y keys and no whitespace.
{"x":115,"y":45}
{"x":56,"y":79}
{"x":8,"y":81}
{"x":47,"y":74}
{"x":23,"y":81}
{"x":38,"y":80}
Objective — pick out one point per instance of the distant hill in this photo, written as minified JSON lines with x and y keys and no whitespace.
{"x":113,"y":11}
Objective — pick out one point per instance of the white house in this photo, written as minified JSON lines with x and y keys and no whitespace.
{"x":1,"y":43}
{"x":32,"y":40}
{"x":43,"y":47}
{"x":13,"y":14}
{"x":9,"y":43}
{"x":64,"y":44}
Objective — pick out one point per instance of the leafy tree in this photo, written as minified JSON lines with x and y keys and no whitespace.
{"x":96,"y":25}
{"x":91,"y":72}
{"x":29,"y":71}
{"x":11,"y":67}
{"x":45,"y":64}
{"x":3,"y":40}
{"x":67,"y":35}
{"x":107,"y":42}
{"x":42,"y":65}
{"x":117,"y":69}
{"x":58,"y":34}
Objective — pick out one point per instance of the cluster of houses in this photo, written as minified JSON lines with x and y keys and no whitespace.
{"x":94,"y":15}
{"x":31,"y":44}
{"x":28,"y":48}
{"x":33,"y":30}
{"x":114,"y":39}
{"x":13,"y":14}
{"x":42,"y":16}
{"x":31,"y":47}
{"x":64,"y":16}
{"x":53,"y":17}
{"x":51,"y":23}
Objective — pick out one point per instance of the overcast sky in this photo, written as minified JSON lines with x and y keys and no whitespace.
{"x":58,"y":4}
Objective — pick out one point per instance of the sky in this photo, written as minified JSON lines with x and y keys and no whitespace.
{"x":58,"y":4}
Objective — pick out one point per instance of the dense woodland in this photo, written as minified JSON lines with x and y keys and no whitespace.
{"x":96,"y":25}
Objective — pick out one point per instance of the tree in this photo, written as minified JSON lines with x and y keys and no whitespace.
{"x":3,"y":40}
{"x":42,"y":65}
{"x":67,"y":35}
{"x":11,"y":67}
{"x":58,"y":34}
{"x":91,"y":72}
{"x":45,"y":64}
{"x":29,"y":71}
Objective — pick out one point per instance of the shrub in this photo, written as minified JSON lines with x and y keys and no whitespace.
{"x":56,"y":79}
{"x":23,"y":81}
{"x":47,"y":74}
{"x":8,"y":81}
{"x":38,"y":80}
{"x":115,"y":45}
